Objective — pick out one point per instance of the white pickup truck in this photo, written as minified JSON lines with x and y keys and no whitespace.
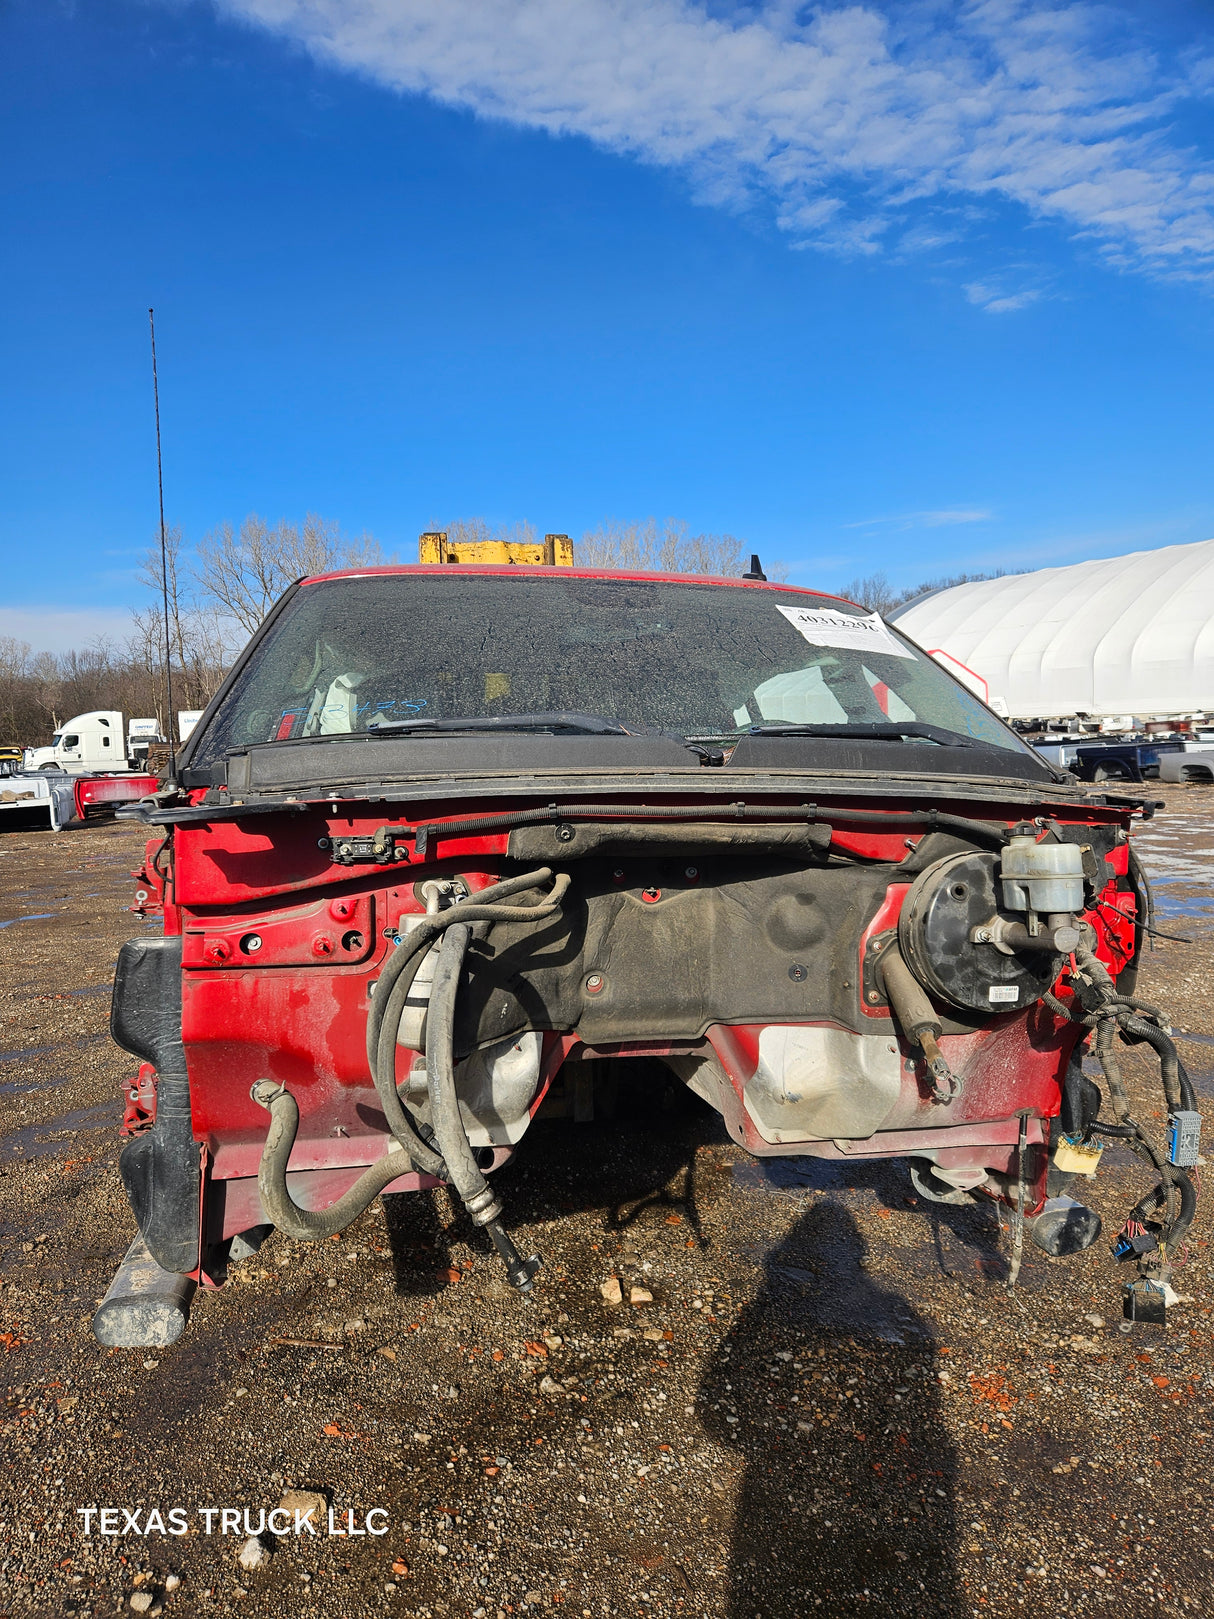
{"x":95,"y":742}
{"x":45,"y":796}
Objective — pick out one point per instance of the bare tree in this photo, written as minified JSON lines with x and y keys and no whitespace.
{"x":665,"y":548}
{"x":198,"y":646}
{"x":14,"y":668}
{"x":241,"y":573}
{"x":875,"y":592}
{"x":476,"y":531}
{"x":47,"y":687}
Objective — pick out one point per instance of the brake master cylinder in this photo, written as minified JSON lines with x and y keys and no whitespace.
{"x":1042,"y":879}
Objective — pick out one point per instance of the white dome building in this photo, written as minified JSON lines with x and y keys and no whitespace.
{"x":1132,"y":635}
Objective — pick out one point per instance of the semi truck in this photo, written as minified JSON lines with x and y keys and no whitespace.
{"x":94,"y":742}
{"x":97,"y":743}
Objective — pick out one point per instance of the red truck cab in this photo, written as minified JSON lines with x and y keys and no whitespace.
{"x":445,"y":829}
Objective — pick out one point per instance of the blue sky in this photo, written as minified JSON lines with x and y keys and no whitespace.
{"x":915,"y":285}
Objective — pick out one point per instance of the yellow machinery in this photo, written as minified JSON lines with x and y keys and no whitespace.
{"x":556,"y":551}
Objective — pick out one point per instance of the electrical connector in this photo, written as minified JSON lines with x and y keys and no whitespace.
{"x":1184,"y":1138}
{"x":1145,"y":1301}
{"x":1074,"y":1156}
{"x":1133,"y":1245}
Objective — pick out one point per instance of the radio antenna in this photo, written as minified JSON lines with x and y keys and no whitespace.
{"x":164,"y":559}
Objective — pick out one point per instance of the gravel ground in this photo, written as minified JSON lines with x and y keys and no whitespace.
{"x":823,"y":1398}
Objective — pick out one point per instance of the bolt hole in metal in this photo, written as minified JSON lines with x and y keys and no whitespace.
{"x":251,"y":943}
{"x":959,"y":890}
{"x":352,"y":941}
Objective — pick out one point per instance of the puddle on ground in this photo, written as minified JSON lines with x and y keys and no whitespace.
{"x":1173,"y":906}
{"x":26,"y":1087}
{"x":1182,"y":875}
{"x":42,"y":916}
{"x":31,"y":1051}
{"x":26,"y":1084}
{"x":51,"y":1136}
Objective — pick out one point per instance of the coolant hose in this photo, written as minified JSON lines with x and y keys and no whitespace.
{"x":481,"y":907}
{"x":463,"y":1171}
{"x":309,"y":1225}
{"x":396,"y":980}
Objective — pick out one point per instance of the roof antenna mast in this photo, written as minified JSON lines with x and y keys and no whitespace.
{"x":164,"y":559}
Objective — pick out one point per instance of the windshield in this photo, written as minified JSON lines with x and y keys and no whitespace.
{"x":703,"y":661}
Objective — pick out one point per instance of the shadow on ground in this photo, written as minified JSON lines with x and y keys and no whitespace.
{"x":858,"y":1510}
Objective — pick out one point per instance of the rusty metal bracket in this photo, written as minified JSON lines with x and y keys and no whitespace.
{"x":871,"y":988}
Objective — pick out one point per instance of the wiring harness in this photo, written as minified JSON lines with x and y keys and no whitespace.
{"x":1155,"y":1227}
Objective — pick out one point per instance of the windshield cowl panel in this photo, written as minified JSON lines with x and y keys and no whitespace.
{"x":363,"y":759}
{"x":516,"y":667}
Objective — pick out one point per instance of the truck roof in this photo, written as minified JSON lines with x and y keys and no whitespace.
{"x":511,"y":570}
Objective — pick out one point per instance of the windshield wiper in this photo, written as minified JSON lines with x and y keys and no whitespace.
{"x":893,"y":731}
{"x":588,"y":724}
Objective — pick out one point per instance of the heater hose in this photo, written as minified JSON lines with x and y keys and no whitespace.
{"x":463,"y":1171}
{"x":396,"y":980}
{"x":309,"y":1225}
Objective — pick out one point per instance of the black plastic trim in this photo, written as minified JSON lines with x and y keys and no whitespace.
{"x":161,"y":1169}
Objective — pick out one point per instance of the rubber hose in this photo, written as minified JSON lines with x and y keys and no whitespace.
{"x":1177,"y":1086}
{"x":309,"y":1225}
{"x":462,"y":1167}
{"x":428,"y":930}
{"x":392,"y":992}
{"x":463,"y":1170}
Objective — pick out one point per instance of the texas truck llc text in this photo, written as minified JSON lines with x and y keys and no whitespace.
{"x":119,"y":1521}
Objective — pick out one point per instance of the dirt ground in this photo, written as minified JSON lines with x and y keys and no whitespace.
{"x":830,"y":1404}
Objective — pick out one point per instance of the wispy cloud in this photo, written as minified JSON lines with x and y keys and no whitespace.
{"x":997,"y":302}
{"x":946,"y":518}
{"x":851,"y":120}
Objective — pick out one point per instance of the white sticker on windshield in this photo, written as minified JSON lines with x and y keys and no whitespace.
{"x":823,"y":626}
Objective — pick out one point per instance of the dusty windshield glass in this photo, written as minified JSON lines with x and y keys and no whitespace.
{"x":354,"y":655}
